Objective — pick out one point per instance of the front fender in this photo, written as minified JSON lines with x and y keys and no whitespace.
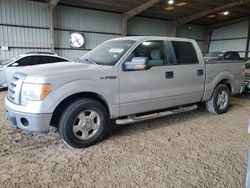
{"x":109,"y":92}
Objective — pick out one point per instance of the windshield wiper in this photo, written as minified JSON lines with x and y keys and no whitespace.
{"x":91,"y":61}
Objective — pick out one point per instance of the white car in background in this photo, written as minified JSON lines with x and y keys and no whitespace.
{"x":9,"y":67}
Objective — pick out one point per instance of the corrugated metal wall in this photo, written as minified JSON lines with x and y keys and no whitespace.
{"x":233,"y":37}
{"x":97,"y":27}
{"x":148,"y":26}
{"x":193,"y":32}
{"x":24,"y":26}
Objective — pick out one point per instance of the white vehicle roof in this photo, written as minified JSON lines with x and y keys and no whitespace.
{"x":143,"y":38}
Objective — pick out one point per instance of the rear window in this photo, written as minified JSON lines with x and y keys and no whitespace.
{"x":231,"y":56}
{"x":185,"y":53}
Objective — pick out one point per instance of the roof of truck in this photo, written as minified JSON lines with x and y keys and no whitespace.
{"x":142,"y":38}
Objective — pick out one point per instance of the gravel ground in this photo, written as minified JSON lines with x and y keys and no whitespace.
{"x":193,"y":149}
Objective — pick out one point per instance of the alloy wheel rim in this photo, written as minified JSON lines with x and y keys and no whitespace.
{"x":86,"y":124}
{"x":222,"y":100}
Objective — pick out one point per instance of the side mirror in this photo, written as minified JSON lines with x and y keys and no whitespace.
{"x":137,"y":63}
{"x":15,"y":64}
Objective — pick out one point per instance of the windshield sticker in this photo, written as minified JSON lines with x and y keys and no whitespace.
{"x":116,"y":50}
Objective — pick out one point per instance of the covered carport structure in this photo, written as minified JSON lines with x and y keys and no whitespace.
{"x":193,"y":149}
{"x":210,"y":14}
{"x":175,"y":18}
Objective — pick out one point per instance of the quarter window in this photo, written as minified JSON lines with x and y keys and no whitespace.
{"x":185,"y":53}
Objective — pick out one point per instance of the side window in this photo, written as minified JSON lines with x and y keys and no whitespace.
{"x":228,"y":56}
{"x":185,"y":53}
{"x":57,"y":59}
{"x":48,"y":59}
{"x":153,"y":50}
{"x":26,"y":61}
{"x":236,"y":56}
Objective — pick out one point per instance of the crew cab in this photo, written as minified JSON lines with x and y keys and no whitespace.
{"x":124,"y":80}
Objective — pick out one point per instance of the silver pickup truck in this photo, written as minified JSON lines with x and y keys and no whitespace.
{"x":125,"y":80}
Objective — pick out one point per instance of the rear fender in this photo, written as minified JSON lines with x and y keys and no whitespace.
{"x":222,"y":76}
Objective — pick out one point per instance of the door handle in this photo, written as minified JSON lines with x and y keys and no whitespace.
{"x":169,"y":75}
{"x":200,"y":72}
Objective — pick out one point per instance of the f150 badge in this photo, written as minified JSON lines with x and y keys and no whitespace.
{"x":108,"y":77}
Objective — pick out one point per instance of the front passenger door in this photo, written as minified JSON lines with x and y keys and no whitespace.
{"x":140,"y":90}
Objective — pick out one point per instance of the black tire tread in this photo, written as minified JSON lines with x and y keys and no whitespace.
{"x":73,"y":109}
{"x":211,"y":106}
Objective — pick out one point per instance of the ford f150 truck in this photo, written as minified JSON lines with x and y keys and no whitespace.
{"x":125,"y":80}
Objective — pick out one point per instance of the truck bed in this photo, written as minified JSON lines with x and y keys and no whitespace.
{"x":228,"y":70}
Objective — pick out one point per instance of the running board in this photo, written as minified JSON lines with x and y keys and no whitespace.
{"x":134,"y":119}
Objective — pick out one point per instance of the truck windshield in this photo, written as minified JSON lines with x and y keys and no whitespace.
{"x":107,"y":53}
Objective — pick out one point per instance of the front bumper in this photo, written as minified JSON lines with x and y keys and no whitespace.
{"x":39,"y":123}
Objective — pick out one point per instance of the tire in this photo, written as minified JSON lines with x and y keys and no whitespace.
{"x":83,"y":123}
{"x":219,"y":104}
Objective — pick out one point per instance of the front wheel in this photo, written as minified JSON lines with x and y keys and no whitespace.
{"x":83,"y":123}
{"x":219,"y":103}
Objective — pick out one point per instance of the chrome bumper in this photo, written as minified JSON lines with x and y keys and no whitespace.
{"x":39,"y":123}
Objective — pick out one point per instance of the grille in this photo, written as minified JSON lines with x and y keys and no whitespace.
{"x":14,"y":87}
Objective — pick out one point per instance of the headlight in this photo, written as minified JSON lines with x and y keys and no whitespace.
{"x":34,"y":92}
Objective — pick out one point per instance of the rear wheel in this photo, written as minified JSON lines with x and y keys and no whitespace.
{"x":219,"y":103}
{"x":83,"y":123}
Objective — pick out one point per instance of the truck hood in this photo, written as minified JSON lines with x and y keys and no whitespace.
{"x":59,"y":68}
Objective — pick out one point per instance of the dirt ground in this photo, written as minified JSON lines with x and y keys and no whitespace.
{"x":193,"y":149}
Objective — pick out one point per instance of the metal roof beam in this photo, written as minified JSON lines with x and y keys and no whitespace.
{"x":53,"y":3}
{"x":140,"y":8}
{"x":210,"y":11}
{"x":229,"y":22}
{"x":134,"y":11}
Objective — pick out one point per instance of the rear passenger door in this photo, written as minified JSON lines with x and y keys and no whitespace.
{"x":188,"y":73}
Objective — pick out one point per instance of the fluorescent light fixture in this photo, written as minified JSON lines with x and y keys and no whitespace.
{"x":225,"y":13}
{"x":170,"y":2}
{"x":169,"y":8}
{"x":180,"y":4}
{"x":212,"y":16}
